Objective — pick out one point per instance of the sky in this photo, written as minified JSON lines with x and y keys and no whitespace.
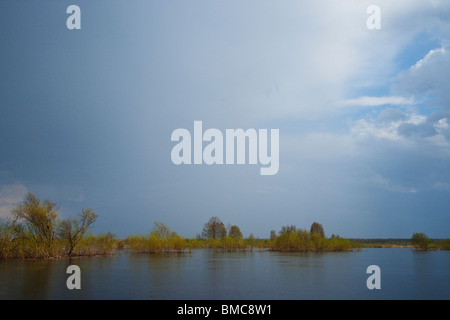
{"x":86,"y":115}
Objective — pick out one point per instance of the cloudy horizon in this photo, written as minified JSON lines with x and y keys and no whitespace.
{"x":86,"y":116}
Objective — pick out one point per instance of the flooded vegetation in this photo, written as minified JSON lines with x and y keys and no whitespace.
{"x":35,"y":231}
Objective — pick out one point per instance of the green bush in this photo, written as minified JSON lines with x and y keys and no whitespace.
{"x":445,"y":245}
{"x":161,"y":239}
{"x":420,"y":241}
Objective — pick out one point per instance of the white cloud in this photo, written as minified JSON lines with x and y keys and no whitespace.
{"x":390,"y":114}
{"x":385,"y":130}
{"x":379,"y":180}
{"x":441,"y":186}
{"x":433,"y":54}
{"x":404,"y":127}
{"x":428,"y":78}
{"x":10,"y":196}
{"x":376,"y":101}
{"x":319,"y":54}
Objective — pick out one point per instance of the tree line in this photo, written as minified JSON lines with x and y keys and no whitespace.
{"x":35,"y":230}
{"x":422,"y":242}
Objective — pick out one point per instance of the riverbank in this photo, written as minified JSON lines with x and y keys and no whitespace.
{"x":34,"y":231}
{"x":106,"y":245}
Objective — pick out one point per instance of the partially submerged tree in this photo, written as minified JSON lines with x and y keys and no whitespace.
{"x":161,"y":231}
{"x":273,"y":234}
{"x":160,"y":239}
{"x":251,"y":239}
{"x":40,"y":219}
{"x":36,"y":231}
{"x":213,"y":229}
{"x":316,"y":228}
{"x":73,"y":230}
{"x":446,"y":244}
{"x":8,"y":231}
{"x":317,"y":236}
{"x":288,"y":229}
{"x":235,"y":232}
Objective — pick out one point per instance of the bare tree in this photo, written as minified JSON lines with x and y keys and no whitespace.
{"x":73,"y":230}
{"x":161,"y":231}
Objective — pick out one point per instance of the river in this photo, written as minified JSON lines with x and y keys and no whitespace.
{"x":207,"y":274}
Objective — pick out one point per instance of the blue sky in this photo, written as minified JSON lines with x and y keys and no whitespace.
{"x":86,"y":115}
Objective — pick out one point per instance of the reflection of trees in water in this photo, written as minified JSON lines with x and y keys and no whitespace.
{"x":158,"y":276}
{"x":33,"y":279}
{"x":37,"y":279}
{"x":210,"y":274}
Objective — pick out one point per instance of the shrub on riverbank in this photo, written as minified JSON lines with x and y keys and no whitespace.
{"x":34,"y":231}
{"x":160,"y":240}
{"x":91,"y":245}
{"x":154,"y":244}
{"x":445,"y":245}
{"x":6,"y":236}
{"x":299,"y":240}
{"x":228,"y":244}
{"x":340,"y":244}
{"x":420,"y":241}
{"x":17,"y":242}
{"x":225,"y":243}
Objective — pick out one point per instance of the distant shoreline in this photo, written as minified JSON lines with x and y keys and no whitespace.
{"x":127,"y":250}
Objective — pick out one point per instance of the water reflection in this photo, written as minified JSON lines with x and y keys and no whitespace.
{"x":208,"y":274}
{"x":426,"y":275}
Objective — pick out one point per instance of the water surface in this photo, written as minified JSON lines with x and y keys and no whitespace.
{"x":207,"y":274}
